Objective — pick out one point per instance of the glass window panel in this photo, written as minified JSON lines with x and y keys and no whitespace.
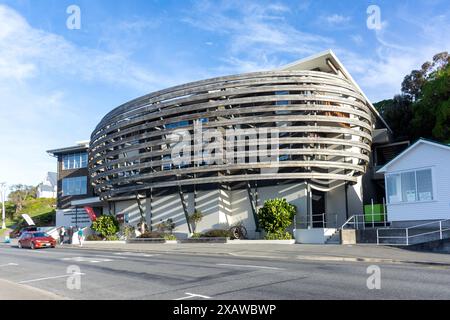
{"x":75,"y":161}
{"x":74,"y":186}
{"x":393,"y":188}
{"x":65,"y":162}
{"x":177,"y":124}
{"x":409,"y":186}
{"x":84,"y":160}
{"x":166,"y":166}
{"x":424,"y":185}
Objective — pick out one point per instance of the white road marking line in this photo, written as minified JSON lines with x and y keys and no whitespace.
{"x":49,"y":278}
{"x":138,"y":254}
{"x":8,"y":264}
{"x":87,"y":259}
{"x":248,"y":266}
{"x":255,"y":256}
{"x":193,"y":295}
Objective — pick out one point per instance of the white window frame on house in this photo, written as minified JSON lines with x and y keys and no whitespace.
{"x":74,"y":186}
{"x":407,"y":187}
{"x":74,"y":161}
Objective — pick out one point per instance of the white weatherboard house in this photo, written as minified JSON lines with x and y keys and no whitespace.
{"x":418,"y":183}
{"x":48,"y":187}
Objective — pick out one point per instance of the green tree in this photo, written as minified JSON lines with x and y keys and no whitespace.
{"x":422,"y":110}
{"x":275,"y":216}
{"x":432,"y":110}
{"x":398,"y":113}
{"x":413,"y":83}
{"x":10,"y":210}
{"x":19,"y":194}
{"x":106,"y":226}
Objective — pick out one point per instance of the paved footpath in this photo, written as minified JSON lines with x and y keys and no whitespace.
{"x":13,"y":291}
{"x":363,"y":253}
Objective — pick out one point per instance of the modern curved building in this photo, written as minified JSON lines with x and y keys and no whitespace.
{"x":225,"y":145}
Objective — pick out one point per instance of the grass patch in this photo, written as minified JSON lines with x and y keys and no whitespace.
{"x":42,"y":211}
{"x":2,"y":231}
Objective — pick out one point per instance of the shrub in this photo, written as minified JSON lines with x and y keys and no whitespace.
{"x":170,"y":237}
{"x":167,"y":225}
{"x":129,"y":232}
{"x":112,"y":238}
{"x":196,"y":235}
{"x":152,"y":235}
{"x":217,"y":233}
{"x":278,"y":236}
{"x":94,"y":237}
{"x":195,"y":218}
{"x":106,"y":225}
{"x":276,"y":215}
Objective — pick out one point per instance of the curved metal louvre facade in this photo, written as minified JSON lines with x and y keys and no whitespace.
{"x":324,"y":124}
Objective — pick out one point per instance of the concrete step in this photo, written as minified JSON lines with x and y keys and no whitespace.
{"x":335,"y":238}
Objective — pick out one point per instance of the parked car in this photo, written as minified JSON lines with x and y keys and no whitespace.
{"x":35,"y":240}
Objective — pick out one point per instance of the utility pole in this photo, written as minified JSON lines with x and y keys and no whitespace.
{"x":3,"y":190}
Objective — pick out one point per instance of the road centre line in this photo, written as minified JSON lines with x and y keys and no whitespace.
{"x":87,"y":259}
{"x":8,"y":264}
{"x":193,"y":295}
{"x":247,"y":266}
{"x":136,"y":254}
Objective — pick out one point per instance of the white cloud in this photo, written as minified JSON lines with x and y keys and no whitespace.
{"x":37,"y":113}
{"x":256,"y":33}
{"x":336,"y":19}
{"x":397,"y":54}
{"x":25,"y":52}
{"x":357,"y":39}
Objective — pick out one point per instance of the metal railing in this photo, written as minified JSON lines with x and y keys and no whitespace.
{"x":412,"y":235}
{"x":321,"y":220}
{"x":366,"y":221}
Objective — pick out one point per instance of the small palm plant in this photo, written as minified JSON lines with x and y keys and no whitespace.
{"x":195,"y":218}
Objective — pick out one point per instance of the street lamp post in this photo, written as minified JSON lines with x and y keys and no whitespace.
{"x":3,"y":190}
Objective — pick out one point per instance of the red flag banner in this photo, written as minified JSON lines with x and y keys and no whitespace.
{"x":91,"y":213}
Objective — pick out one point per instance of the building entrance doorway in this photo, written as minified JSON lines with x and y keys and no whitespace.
{"x":318,"y":208}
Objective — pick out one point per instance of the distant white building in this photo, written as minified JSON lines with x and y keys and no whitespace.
{"x":418,"y":182}
{"x":48,"y":187}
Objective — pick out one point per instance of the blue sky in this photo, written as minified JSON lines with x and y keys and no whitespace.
{"x":56,"y":83}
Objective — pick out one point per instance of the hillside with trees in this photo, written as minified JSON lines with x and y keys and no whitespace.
{"x":23,"y":199}
{"x":423,"y":107}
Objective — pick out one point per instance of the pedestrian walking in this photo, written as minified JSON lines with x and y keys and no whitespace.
{"x":80,"y":236}
{"x":70,"y":233}
{"x":62,"y":233}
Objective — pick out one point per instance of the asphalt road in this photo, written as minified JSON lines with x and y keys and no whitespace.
{"x":132,"y":275}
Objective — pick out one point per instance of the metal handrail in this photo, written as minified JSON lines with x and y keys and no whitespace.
{"x":428,"y":223}
{"x":408,"y":236}
{"x":357,"y":221}
{"x":324,"y":221}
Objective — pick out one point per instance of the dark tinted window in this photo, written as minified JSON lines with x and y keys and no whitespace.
{"x":40,"y":234}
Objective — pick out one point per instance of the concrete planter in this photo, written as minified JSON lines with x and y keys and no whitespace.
{"x":105,"y":242}
{"x":314,"y":236}
{"x":292,"y":241}
{"x":146,"y":240}
{"x":204,"y":240}
{"x":171,"y":241}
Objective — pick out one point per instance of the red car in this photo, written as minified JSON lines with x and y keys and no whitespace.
{"x":36,"y":240}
